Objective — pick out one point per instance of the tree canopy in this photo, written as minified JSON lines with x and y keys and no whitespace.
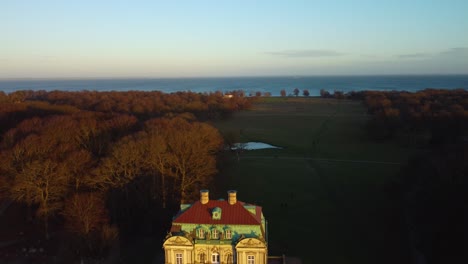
{"x":92,"y":159}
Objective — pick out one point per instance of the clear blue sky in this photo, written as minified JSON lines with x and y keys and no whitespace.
{"x":91,"y":38}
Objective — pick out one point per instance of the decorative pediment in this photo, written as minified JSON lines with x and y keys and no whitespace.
{"x":227,"y":251}
{"x":214,"y":249}
{"x":250,"y":243}
{"x":201,"y":250}
{"x":178,"y":241}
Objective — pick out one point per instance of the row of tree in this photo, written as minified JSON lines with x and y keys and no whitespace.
{"x":140,"y":103}
{"x":336,"y":94}
{"x":436,"y":115}
{"x":296,"y":92}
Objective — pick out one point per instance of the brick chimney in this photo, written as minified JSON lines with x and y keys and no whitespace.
{"x":204,"y":196}
{"x":232,"y":197}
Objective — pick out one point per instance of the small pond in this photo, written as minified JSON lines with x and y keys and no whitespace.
{"x":253,"y":146}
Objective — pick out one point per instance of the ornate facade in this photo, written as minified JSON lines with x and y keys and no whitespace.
{"x":217,"y":232}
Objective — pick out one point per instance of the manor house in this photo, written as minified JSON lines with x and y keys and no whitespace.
{"x":217,"y":231}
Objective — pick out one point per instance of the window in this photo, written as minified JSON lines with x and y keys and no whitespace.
{"x":228,"y":234}
{"x":215,"y":258}
{"x":250,"y":259}
{"x":229,"y":258}
{"x":216,"y":213}
{"x":201,"y":233}
{"x":202,"y":258}
{"x":214,"y":234}
{"x":178,"y":258}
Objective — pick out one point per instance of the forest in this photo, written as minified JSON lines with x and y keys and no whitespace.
{"x":93,"y":168}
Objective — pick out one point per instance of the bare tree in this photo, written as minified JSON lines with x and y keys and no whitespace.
{"x":121,"y":167}
{"x":42,"y":182}
{"x":156,"y":159}
{"x":84,"y":213}
{"x":192,"y":148}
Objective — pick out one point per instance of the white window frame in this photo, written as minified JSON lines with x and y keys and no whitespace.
{"x":201,"y":233}
{"x":215,"y":258}
{"x":228,"y":234}
{"x":214,"y":234}
{"x":179,"y":258}
{"x":250,"y":259}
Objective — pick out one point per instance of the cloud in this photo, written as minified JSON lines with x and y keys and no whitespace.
{"x":461,"y":51}
{"x":368,"y":56}
{"x":414,"y":55}
{"x":450,"y":53}
{"x":309,"y":53}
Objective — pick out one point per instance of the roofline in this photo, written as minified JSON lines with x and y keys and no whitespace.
{"x":192,"y":223}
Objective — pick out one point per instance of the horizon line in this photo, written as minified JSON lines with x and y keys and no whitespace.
{"x":227,"y":76}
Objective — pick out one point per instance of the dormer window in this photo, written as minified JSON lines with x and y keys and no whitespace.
{"x":201,"y":233}
{"x":228,"y":234}
{"x":214,"y":234}
{"x":216,"y":213}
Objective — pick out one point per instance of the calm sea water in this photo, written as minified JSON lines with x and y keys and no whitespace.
{"x":249,"y":84}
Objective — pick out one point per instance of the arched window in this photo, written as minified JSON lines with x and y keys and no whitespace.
{"x":229,"y":259}
{"x":202,"y":257}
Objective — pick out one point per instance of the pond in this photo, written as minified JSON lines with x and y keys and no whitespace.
{"x":253,"y":146}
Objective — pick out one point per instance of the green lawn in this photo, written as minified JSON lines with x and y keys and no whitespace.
{"x":321,"y":211}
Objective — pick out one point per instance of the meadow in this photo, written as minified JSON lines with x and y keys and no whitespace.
{"x":327,"y":193}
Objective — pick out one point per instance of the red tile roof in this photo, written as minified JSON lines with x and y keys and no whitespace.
{"x":258,"y":214}
{"x":234,"y":214}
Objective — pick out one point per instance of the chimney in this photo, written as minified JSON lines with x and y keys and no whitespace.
{"x":204,"y":198}
{"x":232,"y":197}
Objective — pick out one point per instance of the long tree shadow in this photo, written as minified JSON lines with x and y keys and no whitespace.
{"x":141,"y":219}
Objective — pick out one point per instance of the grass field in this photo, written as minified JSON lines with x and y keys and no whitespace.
{"x":324,"y":193}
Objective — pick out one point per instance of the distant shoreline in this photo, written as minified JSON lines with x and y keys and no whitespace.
{"x":272,"y":85}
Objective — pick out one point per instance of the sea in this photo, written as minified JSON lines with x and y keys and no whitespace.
{"x":250,"y":85}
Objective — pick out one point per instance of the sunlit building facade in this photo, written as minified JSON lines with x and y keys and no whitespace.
{"x":217,"y":231}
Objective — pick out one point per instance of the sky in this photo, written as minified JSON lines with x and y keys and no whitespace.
{"x":94,"y":39}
